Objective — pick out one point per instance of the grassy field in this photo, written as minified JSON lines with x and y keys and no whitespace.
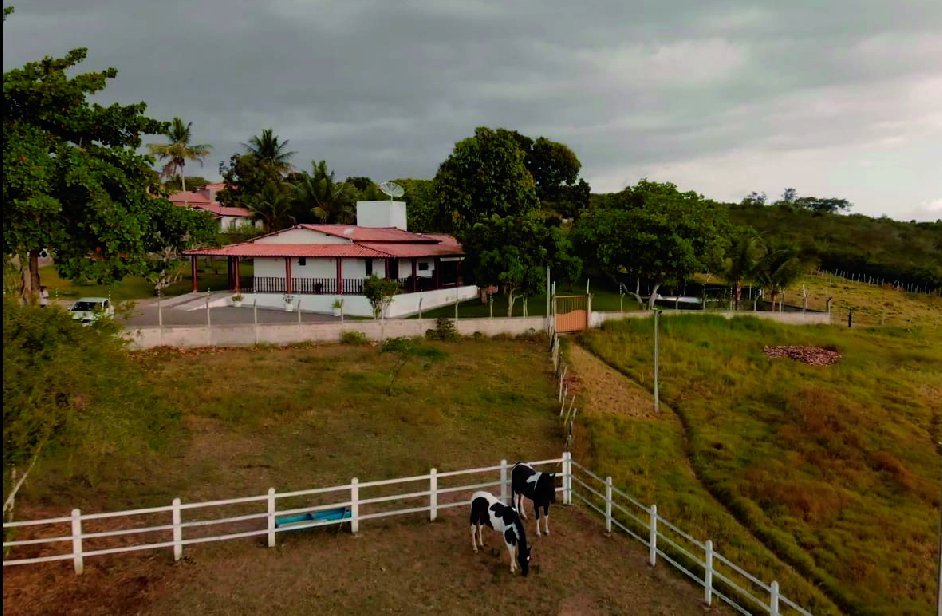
{"x":536,"y":306}
{"x":211,"y":276}
{"x":835,"y":469}
{"x":309,"y":416}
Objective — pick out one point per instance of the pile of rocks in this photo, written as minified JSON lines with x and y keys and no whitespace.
{"x":815,"y":356}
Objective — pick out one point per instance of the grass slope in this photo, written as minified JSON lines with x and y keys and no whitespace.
{"x":836,"y":469}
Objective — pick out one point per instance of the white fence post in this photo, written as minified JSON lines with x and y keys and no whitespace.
{"x":608,"y":504}
{"x":708,"y":574}
{"x":567,"y":478}
{"x":77,"y":542}
{"x":773,"y":604}
{"x":177,"y":530}
{"x":271,"y":517}
{"x":503,"y":482}
{"x":433,"y":495}
{"x":354,"y":506}
{"x":652,"y":538}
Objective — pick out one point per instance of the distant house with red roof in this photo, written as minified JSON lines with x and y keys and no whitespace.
{"x":317,"y":264}
{"x":230,"y":218}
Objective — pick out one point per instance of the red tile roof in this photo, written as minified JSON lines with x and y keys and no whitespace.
{"x":249,"y":249}
{"x":189,"y":197}
{"x":415,"y":250}
{"x":371,"y":234}
{"x":223,"y":210}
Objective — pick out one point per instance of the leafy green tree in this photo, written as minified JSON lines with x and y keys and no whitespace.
{"x":654,"y":232}
{"x":742,"y":260}
{"x":268,"y":149}
{"x":380,"y":293}
{"x":755,"y":199}
{"x":484,"y":175}
{"x":71,"y":393}
{"x":192,"y":182}
{"x":74,"y":184}
{"x":330,"y":202}
{"x":778,"y":268}
{"x":555,"y":170}
{"x":179,"y":150}
{"x":422,"y":209}
{"x":512,"y":252}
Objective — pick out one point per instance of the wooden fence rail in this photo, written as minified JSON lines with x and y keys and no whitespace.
{"x":698,"y":560}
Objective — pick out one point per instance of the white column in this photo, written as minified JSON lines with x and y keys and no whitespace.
{"x":773,"y":604}
{"x":271,"y":517}
{"x":503,"y":482}
{"x":608,"y":504}
{"x":77,"y":542}
{"x":433,"y":495}
{"x":708,"y":574}
{"x":177,"y":530}
{"x":652,"y":538}
{"x":354,"y":506}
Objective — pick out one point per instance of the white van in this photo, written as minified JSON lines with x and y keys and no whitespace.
{"x":90,"y":309}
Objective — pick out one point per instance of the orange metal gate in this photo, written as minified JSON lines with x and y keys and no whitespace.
{"x":572,"y":313}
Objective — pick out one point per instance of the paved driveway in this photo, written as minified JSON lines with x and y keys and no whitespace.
{"x":145,"y":314}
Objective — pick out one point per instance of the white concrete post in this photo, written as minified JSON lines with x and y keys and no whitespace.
{"x":209,"y":323}
{"x":503,"y":482}
{"x":652,"y":538}
{"x":255,"y":317}
{"x":608,"y":504}
{"x":271,"y":517}
{"x":773,"y":604}
{"x":77,"y":542}
{"x":354,"y":506}
{"x":708,"y":574}
{"x":567,"y":478}
{"x":177,"y":530}
{"x":432,"y":495}
{"x":299,"y":314}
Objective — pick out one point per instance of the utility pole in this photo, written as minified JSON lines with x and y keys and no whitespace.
{"x":657,"y":404}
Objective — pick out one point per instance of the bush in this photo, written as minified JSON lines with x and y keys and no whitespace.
{"x":353,"y":337}
{"x":444,"y":330}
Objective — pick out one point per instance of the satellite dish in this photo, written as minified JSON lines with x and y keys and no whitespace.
{"x":392,"y":189}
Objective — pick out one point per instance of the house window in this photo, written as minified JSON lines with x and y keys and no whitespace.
{"x":423,"y":267}
{"x":302,"y":260}
{"x":369,"y":267}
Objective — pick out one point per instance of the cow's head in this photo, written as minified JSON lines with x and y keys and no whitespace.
{"x":523,"y":559}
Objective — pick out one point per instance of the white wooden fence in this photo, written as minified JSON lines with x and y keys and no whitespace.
{"x":716,"y":574}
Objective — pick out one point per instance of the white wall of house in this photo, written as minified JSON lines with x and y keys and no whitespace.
{"x":358,"y":306}
{"x":382,"y":214}
{"x":301,"y":236}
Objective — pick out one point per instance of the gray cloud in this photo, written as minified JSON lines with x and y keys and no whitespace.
{"x":836,"y":98}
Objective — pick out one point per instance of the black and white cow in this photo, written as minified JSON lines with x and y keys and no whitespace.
{"x":487,"y":510}
{"x":538,"y":487}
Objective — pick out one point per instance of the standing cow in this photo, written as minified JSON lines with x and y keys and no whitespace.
{"x":487,"y":510}
{"x":538,"y":487}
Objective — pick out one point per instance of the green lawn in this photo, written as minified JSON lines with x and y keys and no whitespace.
{"x":834,"y":468}
{"x":212,"y":276}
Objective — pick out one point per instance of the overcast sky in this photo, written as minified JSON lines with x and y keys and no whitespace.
{"x":835,"y":98}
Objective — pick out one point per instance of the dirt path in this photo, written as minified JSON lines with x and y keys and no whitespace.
{"x":607,"y":391}
{"x":401,"y":566}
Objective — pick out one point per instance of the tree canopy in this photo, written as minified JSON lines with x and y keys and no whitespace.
{"x":654,"y":232}
{"x":74,"y":184}
{"x":178,"y":150}
{"x":484,"y":176}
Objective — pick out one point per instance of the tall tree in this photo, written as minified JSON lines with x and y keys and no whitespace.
{"x":742,"y":260}
{"x":179,"y":150}
{"x":778,"y":268}
{"x":267,"y":148}
{"x":423,"y":212}
{"x":654,"y":232}
{"x":330,"y":201}
{"x":484,"y":175}
{"x":512,"y":252}
{"x":73,"y":182}
{"x":555,"y":170}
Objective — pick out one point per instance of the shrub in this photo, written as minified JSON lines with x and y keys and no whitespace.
{"x":444,"y":330}
{"x":353,"y":337}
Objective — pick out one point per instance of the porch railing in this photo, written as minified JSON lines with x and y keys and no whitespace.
{"x":328,"y":286}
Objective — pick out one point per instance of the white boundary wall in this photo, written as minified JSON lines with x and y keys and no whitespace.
{"x":292,"y":333}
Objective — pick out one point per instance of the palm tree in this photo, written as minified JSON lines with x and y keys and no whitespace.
{"x":272,"y":205}
{"x":179,"y":150}
{"x":330,"y":201}
{"x":778,"y":269}
{"x":745,"y":254}
{"x":269,"y":149}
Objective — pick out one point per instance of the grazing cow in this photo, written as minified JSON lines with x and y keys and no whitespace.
{"x":538,"y":487}
{"x":487,"y":510}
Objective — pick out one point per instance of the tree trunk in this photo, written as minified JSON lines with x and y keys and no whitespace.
{"x":182,"y":180}
{"x":738,"y":294}
{"x":657,"y":285}
{"x":510,"y":302}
